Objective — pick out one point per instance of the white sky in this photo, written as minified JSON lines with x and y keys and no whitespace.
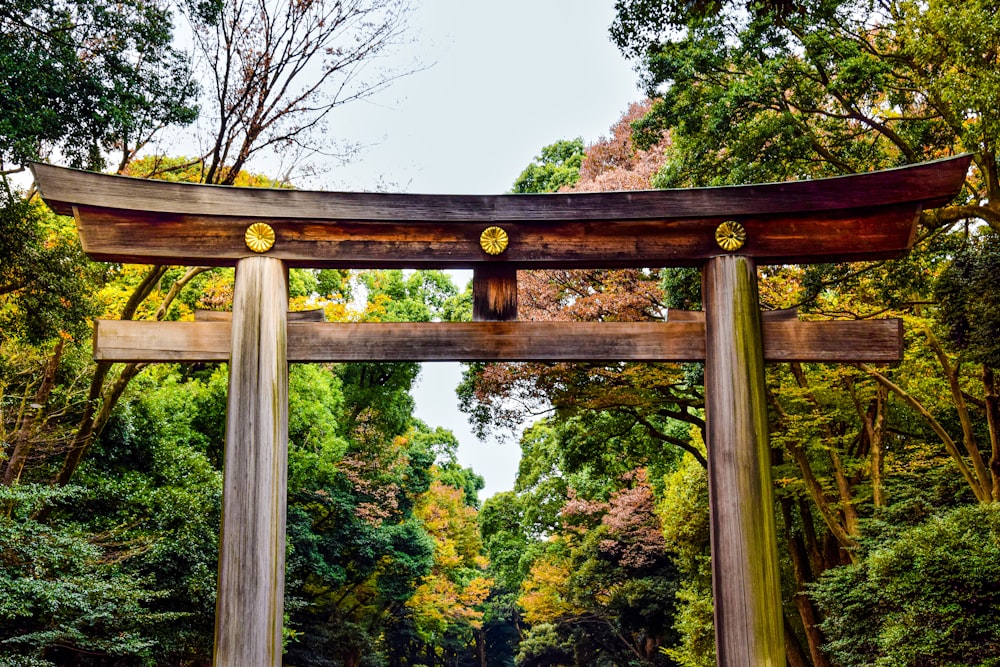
{"x":507,"y":79}
{"x":504,"y":79}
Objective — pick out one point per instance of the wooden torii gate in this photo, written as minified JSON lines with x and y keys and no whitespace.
{"x":726,"y":231}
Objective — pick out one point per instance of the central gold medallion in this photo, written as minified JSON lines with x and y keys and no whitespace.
{"x":259,"y":237}
{"x":730,"y":235}
{"x":493,"y":240}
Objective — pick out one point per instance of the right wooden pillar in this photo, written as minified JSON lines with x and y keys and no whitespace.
{"x":745,"y":579}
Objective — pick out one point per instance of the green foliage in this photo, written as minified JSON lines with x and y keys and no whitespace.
{"x":396,"y":297}
{"x":544,"y":647}
{"x":928,"y":597}
{"x":334,"y":282}
{"x":751,"y":92}
{"x":557,"y":167}
{"x":86,"y":78}
{"x":46,"y":284}
{"x":969,"y":294}
{"x":442,"y":447}
{"x":126,"y":566}
{"x":683,"y":511}
{"x":60,"y":599}
{"x":315,"y":414}
{"x":157,"y":494}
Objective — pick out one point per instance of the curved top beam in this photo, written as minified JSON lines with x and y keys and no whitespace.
{"x":850,"y":217}
{"x":932,"y":183}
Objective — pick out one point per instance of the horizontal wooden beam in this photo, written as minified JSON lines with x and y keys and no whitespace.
{"x":877,"y":232}
{"x":864,"y":216}
{"x":316,"y":315}
{"x":874,"y":341}
{"x":932,"y":182}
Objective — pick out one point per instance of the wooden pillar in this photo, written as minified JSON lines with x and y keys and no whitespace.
{"x":249,"y":610}
{"x":745,"y":579}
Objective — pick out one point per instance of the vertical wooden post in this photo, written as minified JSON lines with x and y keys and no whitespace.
{"x":494,"y":293}
{"x":249,"y":610}
{"x":745,"y":580}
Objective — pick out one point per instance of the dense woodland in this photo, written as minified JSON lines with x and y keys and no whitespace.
{"x":887,"y":479}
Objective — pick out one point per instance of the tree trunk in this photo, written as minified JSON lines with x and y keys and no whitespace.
{"x":481,"y":646}
{"x":877,"y":448}
{"x":993,"y":421}
{"x":23,"y":439}
{"x":794,"y":654}
{"x":804,"y":575}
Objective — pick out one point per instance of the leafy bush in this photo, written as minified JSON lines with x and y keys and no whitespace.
{"x":930,"y":597}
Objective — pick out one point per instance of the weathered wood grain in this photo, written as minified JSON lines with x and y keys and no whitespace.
{"x":875,"y":341}
{"x":250,"y":600}
{"x":934,"y":183}
{"x":865,"y":216}
{"x":316,"y":315}
{"x":782,"y":315}
{"x":842,"y":235}
{"x":494,"y":293}
{"x":167,"y":342}
{"x":746,"y":584}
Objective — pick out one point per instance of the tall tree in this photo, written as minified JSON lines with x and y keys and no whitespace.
{"x":82,"y":80}
{"x":755,"y":92}
{"x":278,"y":68}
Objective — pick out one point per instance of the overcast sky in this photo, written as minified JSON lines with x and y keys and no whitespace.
{"x":504,"y":79}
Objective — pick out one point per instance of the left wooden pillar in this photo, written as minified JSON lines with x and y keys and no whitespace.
{"x":249,"y":609}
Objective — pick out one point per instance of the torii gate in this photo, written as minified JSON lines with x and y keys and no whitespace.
{"x":726,"y":231}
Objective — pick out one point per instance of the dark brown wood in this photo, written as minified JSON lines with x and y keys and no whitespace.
{"x":140,"y":237}
{"x":249,"y":614}
{"x":867,"y":216}
{"x":746,"y":582}
{"x":494,"y":293}
{"x":874,"y":341}
{"x":934,"y":183}
{"x":316,"y":315}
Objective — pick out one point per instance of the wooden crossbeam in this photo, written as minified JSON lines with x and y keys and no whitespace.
{"x":862,"y":216}
{"x":874,"y":341}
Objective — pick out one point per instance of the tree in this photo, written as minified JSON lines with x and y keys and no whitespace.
{"x":85,"y":79}
{"x":615,"y":162}
{"x":926,"y":597}
{"x":557,"y":167}
{"x":639,"y":403}
{"x":753,"y":92}
{"x":606,"y":579}
{"x":447,"y":605}
{"x":278,"y":68}
{"x":830,"y":88}
{"x":124,"y":566}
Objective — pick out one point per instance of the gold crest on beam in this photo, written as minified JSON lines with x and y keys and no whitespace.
{"x":730,"y":235}
{"x":259,"y":237}
{"x":493,"y":240}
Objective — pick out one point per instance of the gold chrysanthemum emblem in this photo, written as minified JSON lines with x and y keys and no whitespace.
{"x":259,"y":237}
{"x":493,"y":240}
{"x":730,"y":235}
